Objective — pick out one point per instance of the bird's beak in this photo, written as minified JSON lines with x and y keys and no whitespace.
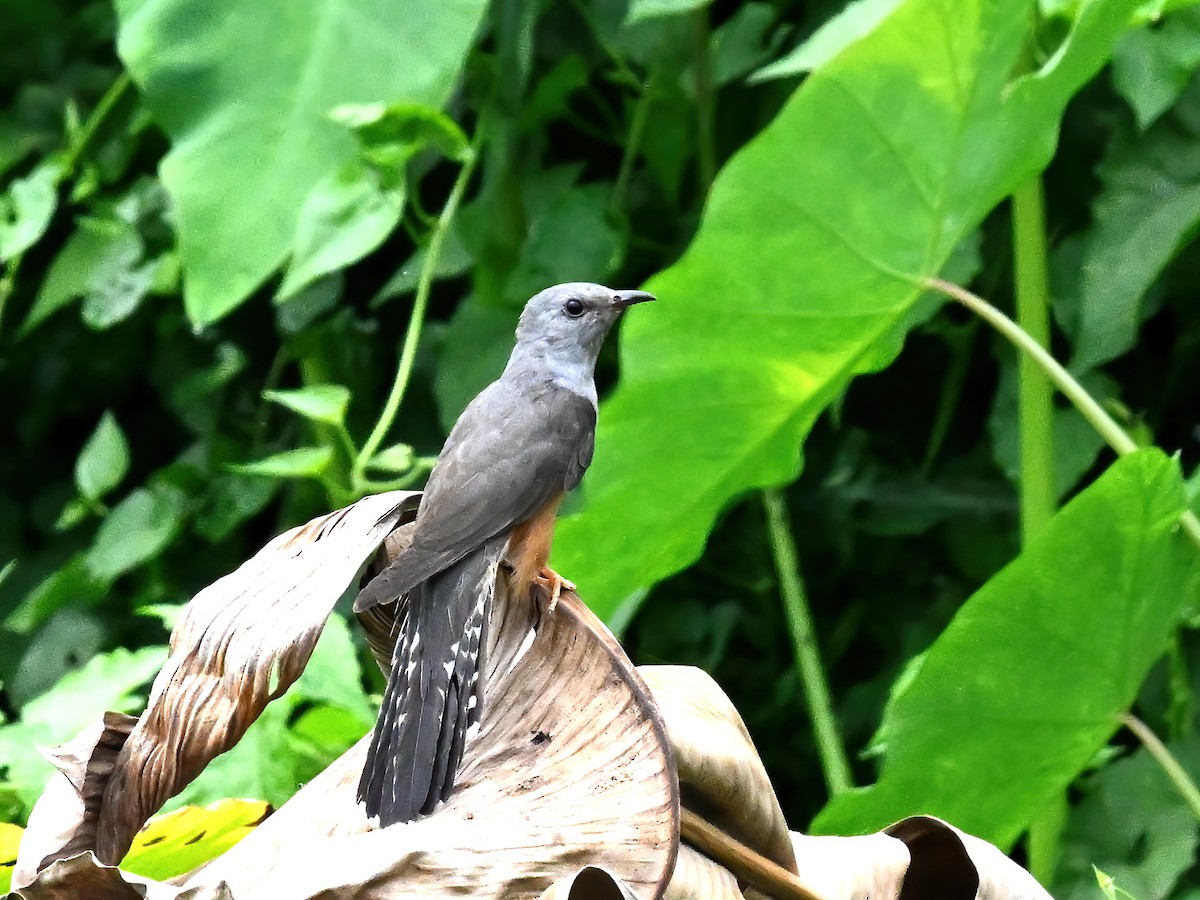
{"x":622,"y":299}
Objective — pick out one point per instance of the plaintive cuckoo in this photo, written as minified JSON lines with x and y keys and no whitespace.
{"x":493,"y":495}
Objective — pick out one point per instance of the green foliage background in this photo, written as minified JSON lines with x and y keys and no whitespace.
{"x":258,"y":256}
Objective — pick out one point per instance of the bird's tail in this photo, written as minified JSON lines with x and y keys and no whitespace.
{"x":434,"y":692}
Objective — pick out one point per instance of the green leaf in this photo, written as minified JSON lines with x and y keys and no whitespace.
{"x":250,"y":131}
{"x":72,"y":584}
{"x":856,"y":20}
{"x":1151,"y":66}
{"x":347,"y":214}
{"x":177,"y":842}
{"x":1155,"y":841}
{"x":96,"y":247}
{"x":793,"y":285}
{"x":137,"y":529}
{"x":477,"y":344}
{"x":113,"y":299}
{"x":231,"y":500}
{"x":318,"y":402}
{"x":104,"y":461}
{"x":397,"y":459}
{"x":741,"y":43}
{"x":108,"y":681}
{"x":1146,"y":212}
{"x":640,"y":10}
{"x":389,"y":135}
{"x":1105,"y":883}
{"x":454,"y":260}
{"x":332,"y":675}
{"x":351,"y":212}
{"x":26,"y":209}
{"x":53,"y":650}
{"x":296,"y":313}
{"x":575,"y":237}
{"x":303,"y":462}
{"x":1029,"y":680}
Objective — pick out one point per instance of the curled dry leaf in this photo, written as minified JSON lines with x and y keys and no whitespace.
{"x":589,"y":883}
{"x":81,"y":876}
{"x":570,"y":766}
{"x":942,"y":856}
{"x":241,"y":643}
{"x":721,"y":775}
{"x":923,"y":857}
{"x":63,"y":821}
{"x":696,"y":877}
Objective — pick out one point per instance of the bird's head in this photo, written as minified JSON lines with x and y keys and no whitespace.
{"x":573,"y":319}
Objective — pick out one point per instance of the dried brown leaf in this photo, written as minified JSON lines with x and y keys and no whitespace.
{"x":941,"y":856}
{"x":720,"y":773}
{"x":81,"y":876}
{"x":63,"y":821}
{"x":589,"y":883}
{"x":569,"y":767}
{"x":870,"y":867}
{"x":921,"y":856}
{"x":696,"y":877}
{"x":573,"y":766}
{"x":241,"y":643}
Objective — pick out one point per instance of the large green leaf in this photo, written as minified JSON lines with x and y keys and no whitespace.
{"x":1145,"y":214}
{"x":1134,"y":825}
{"x":1025,"y":685}
{"x":802,"y":273}
{"x":1152,"y":66}
{"x":244,"y":91}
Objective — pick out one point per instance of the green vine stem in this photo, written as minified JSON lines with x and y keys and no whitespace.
{"x":1035,"y":435}
{"x":118,"y":92}
{"x":834,"y":764}
{"x":1035,"y":394}
{"x":416,"y":321}
{"x":1170,"y":765}
{"x":1112,"y":433}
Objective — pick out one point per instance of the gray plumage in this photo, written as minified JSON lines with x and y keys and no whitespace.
{"x":525,"y":440}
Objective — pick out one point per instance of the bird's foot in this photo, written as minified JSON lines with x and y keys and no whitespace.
{"x":554,"y":583}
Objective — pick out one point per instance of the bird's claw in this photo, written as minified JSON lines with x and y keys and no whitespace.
{"x":555,"y":584}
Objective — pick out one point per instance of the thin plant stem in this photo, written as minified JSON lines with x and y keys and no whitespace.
{"x":834,"y":764}
{"x":952,"y":390}
{"x":1170,"y":765}
{"x":1092,"y":411}
{"x":1035,"y":394}
{"x":625,"y":73}
{"x":116,"y":94}
{"x":747,"y":864}
{"x":1035,"y":436}
{"x":416,"y":321}
{"x":637,"y":128}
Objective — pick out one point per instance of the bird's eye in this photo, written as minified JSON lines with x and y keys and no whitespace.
{"x":573,"y":308}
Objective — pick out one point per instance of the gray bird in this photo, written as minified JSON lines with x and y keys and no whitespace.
{"x":494,"y":493}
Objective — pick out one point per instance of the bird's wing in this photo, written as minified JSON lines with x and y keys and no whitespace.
{"x":509,"y":454}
